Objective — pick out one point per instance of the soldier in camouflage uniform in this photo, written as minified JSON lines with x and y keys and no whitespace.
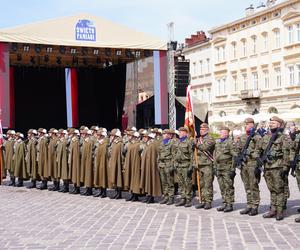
{"x":249,"y":173}
{"x":184,"y":162}
{"x":205,"y":147}
{"x":276,"y":167}
{"x":224,"y":169}
{"x":166,"y":167}
{"x":296,"y":173}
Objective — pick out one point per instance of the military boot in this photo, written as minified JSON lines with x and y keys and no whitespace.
{"x":279,"y":216}
{"x":188,"y":203}
{"x":12,"y":181}
{"x":200,"y":205}
{"x":115,"y":195}
{"x":99,"y":193}
{"x":130,"y":198}
{"x":43,"y":186}
{"x":76,"y":190}
{"x":146,"y":199}
{"x":247,"y":210}
{"x":228,"y":208}
{"x":253,"y":212}
{"x":119,"y":194}
{"x":66,"y":187}
{"x":270,"y":214}
{"x":164,"y":200}
{"x":207,"y":206}
{"x":221,"y":209}
{"x":180,"y":203}
{"x":135,"y":198}
{"x":151,"y":200}
{"x":103,"y":195}
{"x":298,"y":210}
{"x":20,"y":183}
{"x":32,"y":184}
{"x":54,"y":188}
{"x":85,"y":192}
{"x":170,"y":201}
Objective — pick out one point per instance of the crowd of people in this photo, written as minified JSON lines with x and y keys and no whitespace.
{"x":159,"y":163}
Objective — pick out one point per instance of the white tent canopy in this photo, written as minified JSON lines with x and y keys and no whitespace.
{"x":81,"y":30}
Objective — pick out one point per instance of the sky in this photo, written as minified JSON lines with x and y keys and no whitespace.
{"x":148,"y":16}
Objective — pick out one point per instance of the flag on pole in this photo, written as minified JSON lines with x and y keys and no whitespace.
{"x":189,"y":121}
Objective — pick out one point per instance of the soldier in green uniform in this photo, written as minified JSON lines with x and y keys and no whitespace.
{"x":276,"y":167}
{"x":9,"y":153}
{"x":249,"y":173}
{"x":31,"y":157}
{"x":19,"y":159}
{"x":183,"y":157}
{"x":205,"y":147}
{"x":42,"y":155}
{"x":296,"y":172}
{"x":165,"y":161}
{"x":224,"y":169}
{"x":51,"y":159}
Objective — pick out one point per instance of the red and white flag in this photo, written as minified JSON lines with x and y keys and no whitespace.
{"x":189,"y":121}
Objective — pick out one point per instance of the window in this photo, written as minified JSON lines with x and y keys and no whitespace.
{"x":218,"y":90}
{"x":265,"y":41}
{"x":207,"y":65}
{"x":244,"y":48}
{"x":298,"y":74}
{"x":254,"y":81}
{"x":194,"y":69}
{"x":218,"y":54}
{"x":234,"y":50}
{"x":277,"y":38}
{"x":278,"y":77}
{"x":266,"y":79}
{"x":200,"y":68}
{"x":223,"y":54}
{"x":224,"y":89}
{"x":235,"y":84}
{"x":195,"y":92}
{"x":290,"y":34}
{"x":209,"y":95}
{"x":202,"y":95}
{"x":291,"y":77}
{"x":253,"y":45}
{"x":245,"y":83}
{"x":298,"y":32}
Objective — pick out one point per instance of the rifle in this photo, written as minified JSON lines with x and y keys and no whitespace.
{"x":266,"y":154}
{"x":296,"y":160}
{"x":242,"y":157}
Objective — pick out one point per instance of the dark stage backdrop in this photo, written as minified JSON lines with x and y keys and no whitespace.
{"x":40,"y":98}
{"x":101,"y":94}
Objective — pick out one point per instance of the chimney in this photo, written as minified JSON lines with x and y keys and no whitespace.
{"x":249,"y":10}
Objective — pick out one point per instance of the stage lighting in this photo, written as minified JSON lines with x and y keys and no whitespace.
{"x":75,"y":60}
{"x":138,"y":54}
{"x":73,"y":51}
{"x":26,"y":48}
{"x":118,"y":52}
{"x":128,"y":53}
{"x":14,"y":47}
{"x":62,"y":50}
{"x":108,"y":52}
{"x":96,"y":52}
{"x":37,"y":48}
{"x":58,"y":60}
{"x":84,"y":51}
{"x":19,"y":57}
{"x":49,"y":50}
{"x":32,"y":60}
{"x":46,"y":58}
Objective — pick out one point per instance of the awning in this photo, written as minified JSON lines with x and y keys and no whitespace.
{"x":83,"y":30}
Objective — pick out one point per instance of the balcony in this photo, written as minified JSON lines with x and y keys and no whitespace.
{"x":250,"y":94}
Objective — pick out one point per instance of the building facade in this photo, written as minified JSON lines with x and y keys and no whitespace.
{"x":255,"y":61}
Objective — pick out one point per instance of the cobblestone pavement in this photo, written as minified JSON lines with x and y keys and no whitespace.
{"x":34,"y":219}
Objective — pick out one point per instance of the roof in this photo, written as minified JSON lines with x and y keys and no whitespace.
{"x":81,"y":30}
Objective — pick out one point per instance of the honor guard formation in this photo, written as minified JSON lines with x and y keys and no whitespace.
{"x":161,"y":164}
